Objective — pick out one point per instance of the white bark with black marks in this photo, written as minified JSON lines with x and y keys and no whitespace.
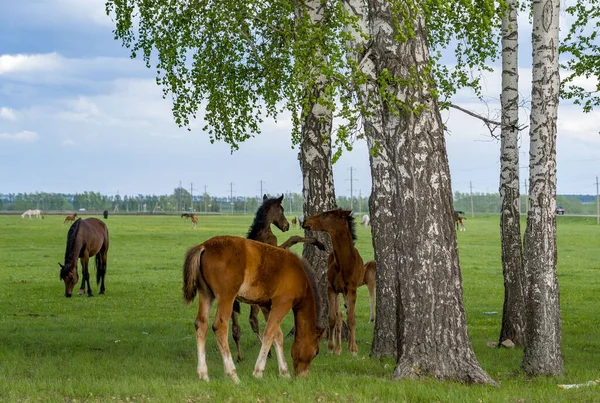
{"x":543,"y":352}
{"x":513,"y":325}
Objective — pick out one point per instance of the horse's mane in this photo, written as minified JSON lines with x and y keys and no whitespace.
{"x":260,"y":219}
{"x":313,"y":283}
{"x":352,"y":225}
{"x":71,"y":237}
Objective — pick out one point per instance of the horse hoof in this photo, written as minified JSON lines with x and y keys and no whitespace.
{"x":81,"y":292}
{"x":257,"y":374}
{"x":234,"y":378}
{"x":285,"y":374}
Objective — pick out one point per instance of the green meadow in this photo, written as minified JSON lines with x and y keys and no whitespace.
{"x":136,"y":343}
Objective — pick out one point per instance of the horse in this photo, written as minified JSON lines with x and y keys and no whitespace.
{"x":186,"y":215}
{"x":105,"y":214}
{"x":70,"y":218}
{"x":194,"y":221}
{"x":228,"y":267}
{"x":346,"y":272}
{"x":294,"y":222}
{"x":366,"y":220}
{"x":271,"y":211}
{"x":37,"y":213}
{"x":459,"y":220}
{"x":86,"y":238}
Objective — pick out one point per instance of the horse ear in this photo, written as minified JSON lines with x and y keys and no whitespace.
{"x":61,"y":266}
{"x":280,"y":199}
{"x":265,"y":197}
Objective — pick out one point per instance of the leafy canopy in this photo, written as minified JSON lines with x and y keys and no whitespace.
{"x":235,"y":62}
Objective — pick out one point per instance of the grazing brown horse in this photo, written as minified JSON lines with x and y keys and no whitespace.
{"x":269,"y":212}
{"x":227,"y":267}
{"x":70,"y":218}
{"x":186,"y":215}
{"x":85,"y":239}
{"x":294,"y":222}
{"x":194,"y":221}
{"x":345,"y":273}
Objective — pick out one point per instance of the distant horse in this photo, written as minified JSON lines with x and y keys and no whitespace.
{"x":346,"y":272}
{"x":70,"y":218}
{"x":85,"y":239}
{"x":37,"y":213}
{"x":105,"y":214}
{"x":186,"y":215}
{"x":294,"y":222}
{"x":366,"y":220}
{"x":459,"y":220}
{"x":226,"y":268}
{"x":271,"y":211}
{"x":194,"y":221}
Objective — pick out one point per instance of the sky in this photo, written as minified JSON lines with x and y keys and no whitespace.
{"x":77,"y":114}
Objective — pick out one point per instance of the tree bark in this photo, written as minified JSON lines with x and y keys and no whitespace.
{"x":543,"y":354}
{"x":510,"y":220}
{"x":317,"y":173}
{"x":432,"y":337}
{"x":381,"y":209}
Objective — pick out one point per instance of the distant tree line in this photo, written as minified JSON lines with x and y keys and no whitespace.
{"x":490,"y":203}
{"x":180,"y":200}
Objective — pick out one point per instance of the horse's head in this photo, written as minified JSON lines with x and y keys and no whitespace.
{"x":326,"y":221}
{"x":275,"y":212}
{"x":70,"y":277}
{"x":304,"y":350}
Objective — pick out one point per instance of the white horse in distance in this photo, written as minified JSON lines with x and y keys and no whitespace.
{"x":38,"y":213}
{"x":366,"y":220}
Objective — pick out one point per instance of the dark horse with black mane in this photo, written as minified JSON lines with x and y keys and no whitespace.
{"x":86,"y":238}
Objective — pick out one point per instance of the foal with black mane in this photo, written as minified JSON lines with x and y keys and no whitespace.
{"x":345,"y":273}
{"x":227,"y":267}
{"x":269,"y":212}
{"x":86,"y":238}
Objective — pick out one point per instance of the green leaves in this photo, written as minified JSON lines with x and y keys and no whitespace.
{"x":584,"y":61}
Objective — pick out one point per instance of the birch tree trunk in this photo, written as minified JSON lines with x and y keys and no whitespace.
{"x":543,"y":354}
{"x":510,"y":220}
{"x":432,"y":330}
{"x":381,"y":209}
{"x":317,"y":173}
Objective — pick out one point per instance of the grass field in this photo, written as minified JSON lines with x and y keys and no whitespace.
{"x":136,"y":343}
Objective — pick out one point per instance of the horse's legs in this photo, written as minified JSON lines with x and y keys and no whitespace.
{"x":272,"y":334}
{"x":204,"y":305}
{"x":332,"y":297}
{"x":351,"y":319}
{"x":86,"y":276}
{"x":236,"y":333}
{"x":103,"y":263}
{"x":220,"y":328}
{"x":253,"y":320}
{"x":371,"y":282}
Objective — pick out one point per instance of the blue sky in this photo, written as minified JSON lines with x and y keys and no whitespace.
{"x":77,"y":114}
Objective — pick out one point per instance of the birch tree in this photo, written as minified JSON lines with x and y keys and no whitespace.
{"x":510,"y":218}
{"x":543,"y":353}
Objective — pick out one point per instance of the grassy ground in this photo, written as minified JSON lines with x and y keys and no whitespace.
{"x":136,"y":343}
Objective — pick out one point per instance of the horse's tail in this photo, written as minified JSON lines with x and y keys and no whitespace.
{"x":192,"y":273}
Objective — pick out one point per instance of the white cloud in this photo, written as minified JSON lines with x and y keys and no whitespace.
{"x":24,"y":136}
{"x":68,"y":143}
{"x":29,"y":63}
{"x":7,"y":114}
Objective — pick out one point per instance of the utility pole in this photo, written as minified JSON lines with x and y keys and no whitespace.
{"x":351,"y":186}
{"x":192,"y":195}
{"x":261,"y":190}
{"x":231,"y":195}
{"x":471,"y":192}
{"x":205,"y":200}
{"x":597,"y":203}
{"x":359,"y":201}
